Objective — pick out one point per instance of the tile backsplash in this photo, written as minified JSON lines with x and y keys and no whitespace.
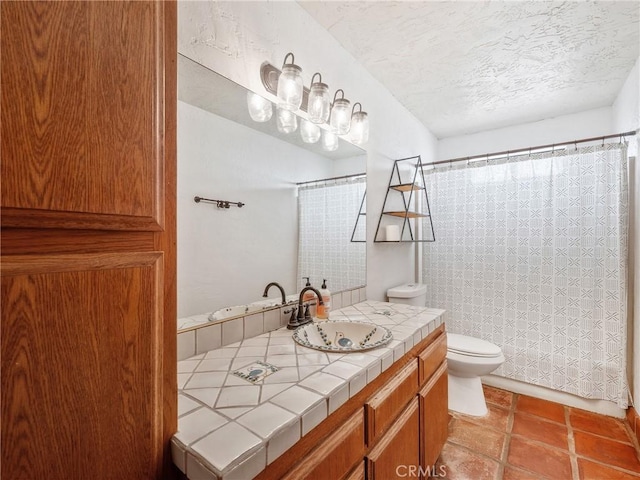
{"x":215,"y":335}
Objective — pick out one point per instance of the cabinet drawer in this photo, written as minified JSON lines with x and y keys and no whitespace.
{"x":398,"y":450}
{"x":336,"y":455}
{"x":431,"y":357}
{"x":358,"y":473}
{"x":434,"y":416}
{"x":384,"y":406}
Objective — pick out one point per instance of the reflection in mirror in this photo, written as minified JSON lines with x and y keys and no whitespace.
{"x":328,"y":214}
{"x":226,"y":257}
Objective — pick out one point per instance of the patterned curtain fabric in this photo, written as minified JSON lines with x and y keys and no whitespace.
{"x":327,"y":215}
{"x":531,"y":254}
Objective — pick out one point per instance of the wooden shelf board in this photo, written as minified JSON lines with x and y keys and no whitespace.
{"x":403,"y":214}
{"x":406,"y":187}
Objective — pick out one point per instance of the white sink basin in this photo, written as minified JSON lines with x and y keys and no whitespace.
{"x":236,"y":311}
{"x":342,"y":336}
{"x":248,"y":309}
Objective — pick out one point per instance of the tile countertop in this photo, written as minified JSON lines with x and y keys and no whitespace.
{"x":230,"y":428}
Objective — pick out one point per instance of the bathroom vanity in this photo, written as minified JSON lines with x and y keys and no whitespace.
{"x":269,"y":408}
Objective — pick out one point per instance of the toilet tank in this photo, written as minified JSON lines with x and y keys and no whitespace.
{"x":409,"y":293}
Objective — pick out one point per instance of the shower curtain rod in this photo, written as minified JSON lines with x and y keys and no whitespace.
{"x":528,"y":149}
{"x":332,"y":178}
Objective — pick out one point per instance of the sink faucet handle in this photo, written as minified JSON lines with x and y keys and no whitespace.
{"x":293,"y":320}
{"x":307,"y":315}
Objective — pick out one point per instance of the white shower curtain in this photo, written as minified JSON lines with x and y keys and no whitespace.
{"x":531,"y":254}
{"x":327,"y":215}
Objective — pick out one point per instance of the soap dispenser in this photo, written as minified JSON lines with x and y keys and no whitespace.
{"x":308,"y":295}
{"x":322,"y":311}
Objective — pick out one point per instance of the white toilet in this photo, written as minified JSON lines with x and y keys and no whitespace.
{"x":468,"y":358}
{"x":409,"y":294}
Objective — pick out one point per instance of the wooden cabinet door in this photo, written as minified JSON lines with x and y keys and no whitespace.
{"x":431,"y":357}
{"x":434,"y":417}
{"x":388,"y":402}
{"x":397,"y":453}
{"x":81,"y":374}
{"x":357,"y":473}
{"x":88,"y":239}
{"x":83,"y":114}
{"x":336,"y":455}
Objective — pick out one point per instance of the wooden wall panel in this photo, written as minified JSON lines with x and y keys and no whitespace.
{"x":80,"y":372}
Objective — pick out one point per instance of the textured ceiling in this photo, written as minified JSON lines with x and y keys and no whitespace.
{"x":462,"y":66}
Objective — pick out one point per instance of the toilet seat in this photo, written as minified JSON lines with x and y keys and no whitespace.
{"x":472,"y":347}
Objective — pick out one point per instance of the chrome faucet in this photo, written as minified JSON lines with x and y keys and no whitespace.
{"x":303,"y":317}
{"x":275,"y":284}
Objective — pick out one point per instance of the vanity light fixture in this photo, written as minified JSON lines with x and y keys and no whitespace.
{"x":329,"y":141}
{"x":359,"y":125}
{"x":310,"y":132}
{"x":290,"y":85}
{"x":340,"y":119}
{"x":319,"y":104}
{"x":260,"y":109}
{"x":286,"y":120}
{"x":293,"y":95}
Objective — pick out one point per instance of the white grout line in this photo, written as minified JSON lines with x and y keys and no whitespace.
{"x":575,"y":472}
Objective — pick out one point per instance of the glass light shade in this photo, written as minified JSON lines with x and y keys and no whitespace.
{"x":319,"y":105}
{"x":260,"y":109}
{"x":360,"y":128}
{"x":286,"y":120}
{"x":309,"y":132}
{"x":290,"y":87}
{"x":329,"y":141}
{"x":340,"y":116}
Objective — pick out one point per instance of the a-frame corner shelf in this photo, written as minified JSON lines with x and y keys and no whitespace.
{"x":406,"y":198}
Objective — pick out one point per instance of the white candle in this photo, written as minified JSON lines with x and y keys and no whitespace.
{"x":392,"y":233}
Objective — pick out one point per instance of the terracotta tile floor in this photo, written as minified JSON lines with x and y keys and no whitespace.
{"x":524,"y":438}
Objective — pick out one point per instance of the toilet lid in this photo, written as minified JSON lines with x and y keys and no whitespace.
{"x":477,"y":347}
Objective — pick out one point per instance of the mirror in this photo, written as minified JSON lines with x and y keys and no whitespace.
{"x":226,"y":256}
{"x":210,"y":91}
